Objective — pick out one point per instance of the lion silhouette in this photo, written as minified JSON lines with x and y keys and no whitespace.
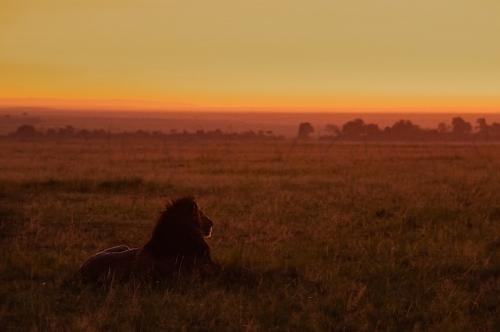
{"x":177,"y":245}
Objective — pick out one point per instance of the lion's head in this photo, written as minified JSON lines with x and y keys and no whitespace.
{"x":206,"y":225}
{"x":181,"y":230}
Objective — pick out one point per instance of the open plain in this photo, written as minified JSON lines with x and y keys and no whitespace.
{"x":311,"y":235}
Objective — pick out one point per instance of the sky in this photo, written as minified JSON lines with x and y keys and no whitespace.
{"x":426,"y":55}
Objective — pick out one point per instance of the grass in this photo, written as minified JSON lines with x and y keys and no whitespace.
{"x":317,"y":237}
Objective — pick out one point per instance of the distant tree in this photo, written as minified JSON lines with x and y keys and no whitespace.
{"x":460,"y":127}
{"x":494,"y":129}
{"x":157,"y":133}
{"x":305,"y":130}
{"x":84,"y":133}
{"x":26,"y":131}
{"x":358,"y":129}
{"x":353,"y":128}
{"x":482,"y":126}
{"x":67,"y":131}
{"x":141,"y":133}
{"x":404,"y":127}
{"x":371,"y":130}
{"x":51,"y":132}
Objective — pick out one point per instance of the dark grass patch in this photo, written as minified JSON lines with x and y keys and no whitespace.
{"x":11,"y":212}
{"x":88,"y":186}
{"x":383,"y":214}
{"x":494,"y":213}
{"x":121,"y":184}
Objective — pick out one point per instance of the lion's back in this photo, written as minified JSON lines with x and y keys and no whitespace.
{"x":109,"y":264}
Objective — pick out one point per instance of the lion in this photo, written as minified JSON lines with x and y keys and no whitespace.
{"x":177,"y":245}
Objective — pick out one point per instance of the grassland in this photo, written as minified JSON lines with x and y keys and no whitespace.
{"x":311,"y":236}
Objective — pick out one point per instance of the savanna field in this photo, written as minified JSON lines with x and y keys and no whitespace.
{"x":311,"y":236}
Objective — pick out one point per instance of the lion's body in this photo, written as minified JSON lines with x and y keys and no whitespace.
{"x":176,"y":245}
{"x":116,"y":264}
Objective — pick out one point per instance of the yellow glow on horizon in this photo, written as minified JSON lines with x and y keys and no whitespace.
{"x":281,"y":54}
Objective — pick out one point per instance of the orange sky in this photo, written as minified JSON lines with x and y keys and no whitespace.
{"x":437,"y":55}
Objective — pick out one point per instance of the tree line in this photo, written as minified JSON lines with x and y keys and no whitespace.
{"x":31,"y":132}
{"x":405,"y":130}
{"x":354,"y":130}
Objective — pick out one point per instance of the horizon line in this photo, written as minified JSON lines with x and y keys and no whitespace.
{"x":129,"y":105}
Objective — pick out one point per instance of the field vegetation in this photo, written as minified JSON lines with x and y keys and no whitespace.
{"x":311,"y":235}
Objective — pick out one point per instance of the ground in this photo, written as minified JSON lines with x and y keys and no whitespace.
{"x":310,"y":235}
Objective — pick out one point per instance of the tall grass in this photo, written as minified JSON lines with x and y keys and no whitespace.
{"x":349,"y":237}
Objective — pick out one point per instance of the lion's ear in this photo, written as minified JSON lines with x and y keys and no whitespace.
{"x":188,"y":204}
